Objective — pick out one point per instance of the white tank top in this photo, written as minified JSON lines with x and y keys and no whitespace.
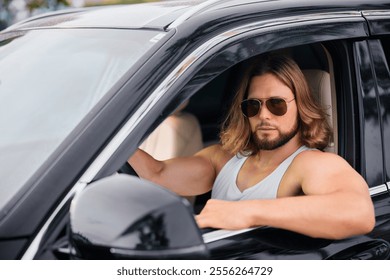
{"x":225,"y":186}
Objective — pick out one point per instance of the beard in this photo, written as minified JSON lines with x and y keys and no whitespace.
{"x":271,"y":144}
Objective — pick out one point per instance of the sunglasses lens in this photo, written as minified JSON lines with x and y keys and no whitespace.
{"x":277,"y":106}
{"x":250,"y":107}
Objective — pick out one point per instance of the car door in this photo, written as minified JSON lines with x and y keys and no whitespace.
{"x":378,"y":48}
{"x":359,"y":141}
{"x":335,"y":31}
{"x":376,"y":104}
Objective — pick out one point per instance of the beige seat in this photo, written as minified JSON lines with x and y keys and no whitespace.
{"x":320,"y":84}
{"x":178,"y":135}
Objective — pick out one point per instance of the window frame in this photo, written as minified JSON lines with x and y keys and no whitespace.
{"x":187,"y":77}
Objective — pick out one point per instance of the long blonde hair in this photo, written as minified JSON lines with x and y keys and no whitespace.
{"x":314,"y":130}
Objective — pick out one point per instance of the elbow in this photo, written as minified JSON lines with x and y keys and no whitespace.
{"x":365,"y":218}
{"x":361,"y":217}
{"x":355,"y":218}
{"x":366,"y":221}
{"x":358,"y":223}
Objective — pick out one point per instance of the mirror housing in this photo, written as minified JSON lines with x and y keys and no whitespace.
{"x":124,"y":217}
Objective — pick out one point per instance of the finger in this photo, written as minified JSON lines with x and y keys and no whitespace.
{"x":201,"y":221}
{"x":198,"y":220}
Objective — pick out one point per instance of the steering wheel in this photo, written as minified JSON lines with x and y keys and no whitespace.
{"x":127,"y":169}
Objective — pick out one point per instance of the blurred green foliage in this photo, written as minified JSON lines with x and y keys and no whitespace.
{"x":118,"y":2}
{"x":36,"y":4}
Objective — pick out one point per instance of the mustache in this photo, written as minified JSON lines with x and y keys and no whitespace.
{"x":264,"y":124}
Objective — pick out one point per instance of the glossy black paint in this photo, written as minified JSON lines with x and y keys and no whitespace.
{"x":125,"y":217}
{"x":64,"y":168}
{"x":378,"y":24}
{"x":382,"y":74}
{"x":270,"y":243}
{"x":382,"y":212}
{"x":373,"y":153}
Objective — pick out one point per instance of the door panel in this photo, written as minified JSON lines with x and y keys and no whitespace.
{"x":372,"y":155}
{"x":381,"y":58}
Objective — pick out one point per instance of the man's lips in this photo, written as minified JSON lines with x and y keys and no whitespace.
{"x":265,"y":127}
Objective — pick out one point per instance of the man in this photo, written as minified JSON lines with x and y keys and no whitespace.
{"x":269,"y":168}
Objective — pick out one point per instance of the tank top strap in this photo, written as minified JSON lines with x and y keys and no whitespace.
{"x":225,"y":186}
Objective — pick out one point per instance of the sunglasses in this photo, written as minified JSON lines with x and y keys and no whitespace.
{"x":276,"y":105}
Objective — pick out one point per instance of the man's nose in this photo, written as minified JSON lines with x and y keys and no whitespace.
{"x":264,"y":113}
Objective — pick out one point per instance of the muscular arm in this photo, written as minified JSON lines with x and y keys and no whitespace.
{"x":336,"y":203}
{"x":185,"y":176}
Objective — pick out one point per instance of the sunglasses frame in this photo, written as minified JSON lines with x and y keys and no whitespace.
{"x":264,"y":101}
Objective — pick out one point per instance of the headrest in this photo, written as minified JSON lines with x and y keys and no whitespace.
{"x":319,"y":83}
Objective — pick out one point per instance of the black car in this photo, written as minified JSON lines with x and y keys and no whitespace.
{"x":81,"y":89}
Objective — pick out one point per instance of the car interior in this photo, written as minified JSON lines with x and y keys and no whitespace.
{"x":196,"y":124}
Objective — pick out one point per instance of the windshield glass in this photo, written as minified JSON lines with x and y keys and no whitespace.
{"x":49,"y":81}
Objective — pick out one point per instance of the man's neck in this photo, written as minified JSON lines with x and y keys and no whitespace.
{"x":278,"y":155}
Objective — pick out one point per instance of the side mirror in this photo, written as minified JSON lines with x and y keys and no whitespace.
{"x":124,"y":217}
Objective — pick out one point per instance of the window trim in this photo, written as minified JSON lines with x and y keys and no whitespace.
{"x":197,"y":59}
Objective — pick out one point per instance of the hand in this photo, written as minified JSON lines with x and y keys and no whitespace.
{"x":224,"y":214}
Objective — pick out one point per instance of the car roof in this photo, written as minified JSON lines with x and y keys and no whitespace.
{"x":154,"y":15}
{"x":171,"y":14}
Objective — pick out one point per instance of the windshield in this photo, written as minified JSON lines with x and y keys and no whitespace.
{"x":49,"y":81}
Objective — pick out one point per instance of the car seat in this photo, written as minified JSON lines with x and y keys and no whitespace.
{"x":178,"y":135}
{"x":320,"y":85}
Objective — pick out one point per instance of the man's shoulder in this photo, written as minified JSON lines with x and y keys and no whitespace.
{"x":217,"y":155}
{"x":215,"y":149}
{"x":309,"y":159}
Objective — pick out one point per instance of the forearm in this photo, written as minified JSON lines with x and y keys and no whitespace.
{"x":185,"y":176}
{"x":331,"y":216}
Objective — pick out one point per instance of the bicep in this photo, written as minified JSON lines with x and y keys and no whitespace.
{"x":326,"y":173}
{"x":192,"y":175}
{"x":188,"y":175}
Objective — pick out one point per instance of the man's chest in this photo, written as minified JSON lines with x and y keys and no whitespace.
{"x":268,"y":177}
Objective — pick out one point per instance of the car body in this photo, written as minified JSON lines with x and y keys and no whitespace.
{"x":81,"y":89}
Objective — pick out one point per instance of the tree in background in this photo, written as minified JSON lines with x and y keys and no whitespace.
{"x":14,"y":10}
{"x":49,"y":4}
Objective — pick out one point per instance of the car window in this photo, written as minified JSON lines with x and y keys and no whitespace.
{"x":384,"y":99}
{"x":211,"y":103}
{"x":49,"y":81}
